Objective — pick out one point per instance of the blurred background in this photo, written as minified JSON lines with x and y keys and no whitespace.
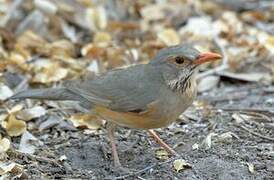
{"x":46,"y":42}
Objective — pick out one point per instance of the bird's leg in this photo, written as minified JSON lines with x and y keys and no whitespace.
{"x":111,"y":128}
{"x":161,"y":142}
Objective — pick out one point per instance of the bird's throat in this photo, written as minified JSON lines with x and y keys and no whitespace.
{"x":182,"y":83}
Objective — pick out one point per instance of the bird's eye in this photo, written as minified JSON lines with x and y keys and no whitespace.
{"x":179,"y":60}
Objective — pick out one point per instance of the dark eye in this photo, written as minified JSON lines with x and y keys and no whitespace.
{"x":179,"y":60}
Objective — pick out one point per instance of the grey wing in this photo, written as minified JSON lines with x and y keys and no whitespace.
{"x":129,"y":90}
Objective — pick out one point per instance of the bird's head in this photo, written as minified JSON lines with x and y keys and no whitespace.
{"x":178,"y":64}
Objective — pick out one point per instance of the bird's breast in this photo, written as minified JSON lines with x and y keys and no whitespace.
{"x":160,"y":113}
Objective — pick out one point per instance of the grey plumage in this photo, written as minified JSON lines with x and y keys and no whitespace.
{"x":120,"y":90}
{"x":125,"y":90}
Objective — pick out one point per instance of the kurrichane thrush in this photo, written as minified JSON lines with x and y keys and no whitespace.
{"x":144,"y":96}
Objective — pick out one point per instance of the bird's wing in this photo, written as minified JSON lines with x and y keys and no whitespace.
{"x":129,"y":90}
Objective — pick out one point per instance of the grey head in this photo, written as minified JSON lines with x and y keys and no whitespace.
{"x":178,"y":64}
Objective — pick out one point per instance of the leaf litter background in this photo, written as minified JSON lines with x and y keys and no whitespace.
{"x":226,"y":134}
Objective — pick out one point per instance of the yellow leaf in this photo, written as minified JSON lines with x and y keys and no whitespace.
{"x":162,"y":154}
{"x":13,"y":126}
{"x":4,"y":144}
{"x":102,"y":37}
{"x":180,"y":164}
{"x":15,"y":109}
{"x":169,"y":37}
{"x":96,"y":18}
{"x":86,"y":120}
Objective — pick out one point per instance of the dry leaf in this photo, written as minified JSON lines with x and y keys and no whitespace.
{"x":93,"y":67}
{"x":6,"y":167}
{"x":51,"y":121}
{"x":13,"y":126}
{"x":162,"y":154}
{"x":159,"y":11}
{"x":27,"y":143}
{"x":103,"y":38}
{"x":180,"y":164}
{"x":207,"y":142}
{"x":86,"y":120}
{"x":207,"y":83}
{"x":96,"y":18}
{"x":15,"y":109}
{"x":250,"y":167}
{"x":46,"y":6}
{"x":29,"y":114}
{"x":239,"y":118}
{"x":5,"y":92}
{"x":92,"y":51}
{"x":195,"y":146}
{"x":63,"y":158}
{"x":199,"y":26}
{"x":169,"y":37}
{"x":62,"y":49}
{"x":4,"y":144}
{"x":47,"y":71}
{"x":226,"y":137}
{"x":31,"y":42}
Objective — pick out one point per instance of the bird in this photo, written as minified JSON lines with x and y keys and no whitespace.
{"x":142,"y":96}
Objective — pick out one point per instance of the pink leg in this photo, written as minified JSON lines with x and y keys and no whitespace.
{"x":161,"y":142}
{"x":110,"y":128}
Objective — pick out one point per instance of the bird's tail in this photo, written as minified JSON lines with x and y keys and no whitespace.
{"x":49,"y":94}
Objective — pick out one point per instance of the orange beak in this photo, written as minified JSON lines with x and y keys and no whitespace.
{"x":207,"y":57}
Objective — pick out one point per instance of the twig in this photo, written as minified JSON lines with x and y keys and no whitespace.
{"x":254,"y":133}
{"x":245,"y":109}
{"x":38,"y":158}
{"x":221,"y":67}
{"x":145,"y":169}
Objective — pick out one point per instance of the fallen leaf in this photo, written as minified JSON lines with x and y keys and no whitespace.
{"x":180,"y":164}
{"x":227,"y":137}
{"x":169,"y":37}
{"x":195,"y":146}
{"x":29,"y":114}
{"x":51,"y":121}
{"x":3,"y":117}
{"x":103,"y":38}
{"x":86,"y":120}
{"x":27,"y":143}
{"x":207,"y":142}
{"x":250,"y":167}
{"x":6,"y":167}
{"x":93,"y":67}
{"x":96,"y":18}
{"x":13,"y":126}
{"x":47,"y":71}
{"x":207,"y":83}
{"x":158,"y":11}
{"x":92,"y":51}
{"x":4,"y":144}
{"x":5,"y":92}
{"x":63,"y":158}
{"x":199,"y":26}
{"x":15,"y":109}
{"x":46,"y":6}
{"x":62,"y":49}
{"x":239,"y":118}
{"x":162,"y":154}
